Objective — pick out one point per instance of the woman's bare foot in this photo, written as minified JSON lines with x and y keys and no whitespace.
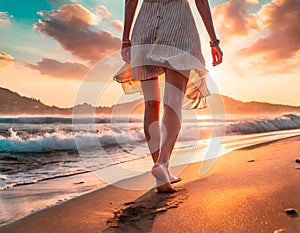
{"x":166,"y":188}
{"x":163,"y":184}
{"x":174,"y":179}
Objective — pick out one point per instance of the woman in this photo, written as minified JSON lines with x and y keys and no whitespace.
{"x":165,"y":40}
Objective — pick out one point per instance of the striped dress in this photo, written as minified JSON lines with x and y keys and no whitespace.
{"x":165,"y":36}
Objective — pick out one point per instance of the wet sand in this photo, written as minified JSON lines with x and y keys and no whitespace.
{"x":247,"y":190}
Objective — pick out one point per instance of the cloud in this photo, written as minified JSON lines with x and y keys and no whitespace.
{"x":73,"y":15}
{"x":252,"y":2}
{"x":102,"y":12}
{"x":117,"y":24}
{"x":6,"y":59}
{"x":54,"y":68}
{"x":280,"y":46}
{"x":232,"y":19}
{"x":4,"y":19}
{"x":281,"y":19}
{"x":70,"y":26}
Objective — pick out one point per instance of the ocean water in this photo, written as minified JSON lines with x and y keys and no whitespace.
{"x":33,"y":149}
{"x":37,"y":149}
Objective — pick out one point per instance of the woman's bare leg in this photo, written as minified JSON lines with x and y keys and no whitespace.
{"x":175,"y":86}
{"x":151,"y":94}
{"x":174,"y":93}
{"x":151,"y":119}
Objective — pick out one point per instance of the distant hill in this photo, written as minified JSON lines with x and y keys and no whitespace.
{"x":11,"y":103}
{"x":234,"y":106}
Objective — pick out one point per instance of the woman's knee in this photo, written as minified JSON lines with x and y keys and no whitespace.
{"x":152,"y":104}
{"x":174,"y":103}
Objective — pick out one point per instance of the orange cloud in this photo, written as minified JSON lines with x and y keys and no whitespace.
{"x":70,"y":27}
{"x":6,"y":59}
{"x":281,"y":18}
{"x":252,"y":1}
{"x":117,"y":24}
{"x":232,"y":18}
{"x":73,"y":15}
{"x":280,"y":48}
{"x":67,"y":70}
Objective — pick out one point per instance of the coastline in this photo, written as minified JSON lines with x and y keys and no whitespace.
{"x":235,"y":195}
{"x":25,"y":199}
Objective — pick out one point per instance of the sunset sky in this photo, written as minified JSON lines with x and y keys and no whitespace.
{"x":47,"y":47}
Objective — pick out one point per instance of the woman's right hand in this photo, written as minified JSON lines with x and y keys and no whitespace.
{"x":126,"y":51}
{"x":217,"y":55}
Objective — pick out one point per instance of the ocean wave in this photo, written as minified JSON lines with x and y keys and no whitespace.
{"x":105,"y":136}
{"x":63,"y":141}
{"x":285,"y":122}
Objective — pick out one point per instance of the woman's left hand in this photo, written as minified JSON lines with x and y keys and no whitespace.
{"x":217,"y":55}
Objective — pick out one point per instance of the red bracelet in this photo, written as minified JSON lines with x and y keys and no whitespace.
{"x":214,"y":43}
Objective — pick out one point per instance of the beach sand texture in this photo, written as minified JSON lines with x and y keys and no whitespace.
{"x":247,"y":190}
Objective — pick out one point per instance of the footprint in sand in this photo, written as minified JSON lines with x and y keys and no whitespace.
{"x":143,"y":211}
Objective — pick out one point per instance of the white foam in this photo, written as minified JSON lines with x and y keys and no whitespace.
{"x":125,"y":132}
{"x":66,"y":141}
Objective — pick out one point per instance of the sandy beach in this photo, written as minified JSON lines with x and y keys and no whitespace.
{"x":247,"y":190}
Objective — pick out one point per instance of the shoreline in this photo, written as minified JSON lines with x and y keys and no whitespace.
{"x":180,"y":199}
{"x":41,"y":195}
{"x":24,"y":200}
